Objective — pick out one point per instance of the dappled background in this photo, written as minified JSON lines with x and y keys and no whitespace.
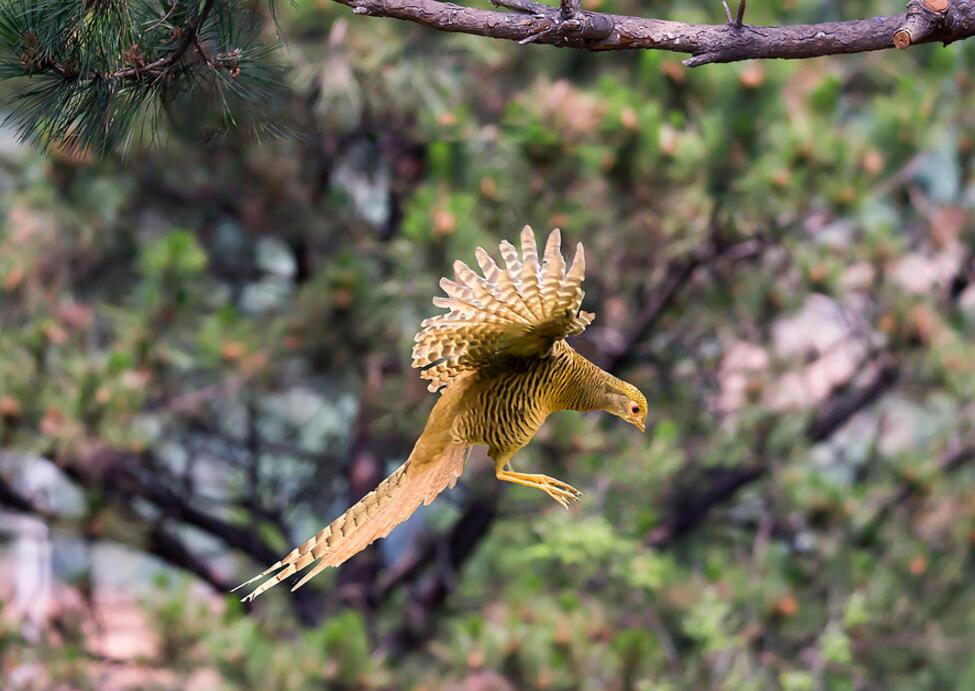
{"x":204,"y":358}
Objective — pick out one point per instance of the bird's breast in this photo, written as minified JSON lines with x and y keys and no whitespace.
{"x":506,"y":408}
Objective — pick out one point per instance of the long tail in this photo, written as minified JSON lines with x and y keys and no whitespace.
{"x":372,"y":517}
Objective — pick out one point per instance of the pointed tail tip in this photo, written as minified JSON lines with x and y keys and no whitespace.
{"x":247,"y":582}
{"x":269,"y":570}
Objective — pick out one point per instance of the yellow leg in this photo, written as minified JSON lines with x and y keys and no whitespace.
{"x":560,"y":491}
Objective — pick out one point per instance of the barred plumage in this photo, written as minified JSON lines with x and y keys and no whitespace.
{"x":519,"y":311}
{"x":500,"y":358}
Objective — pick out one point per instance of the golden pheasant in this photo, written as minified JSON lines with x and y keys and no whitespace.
{"x":501,"y":362}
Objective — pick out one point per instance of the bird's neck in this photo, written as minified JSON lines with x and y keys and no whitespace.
{"x":587,"y":386}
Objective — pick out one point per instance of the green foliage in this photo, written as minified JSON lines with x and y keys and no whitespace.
{"x":234,"y":320}
{"x":101,"y":74}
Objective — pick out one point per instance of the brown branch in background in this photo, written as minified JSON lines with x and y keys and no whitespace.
{"x":122,"y":477}
{"x":689,"y":509}
{"x":447,"y":554}
{"x":925,"y":21}
{"x":845,"y":405}
{"x":956,"y":459}
{"x":677,"y":275}
{"x":174,"y":551}
{"x":13,"y":500}
{"x":161,"y":542}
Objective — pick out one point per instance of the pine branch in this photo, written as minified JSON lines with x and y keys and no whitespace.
{"x":96,"y":75}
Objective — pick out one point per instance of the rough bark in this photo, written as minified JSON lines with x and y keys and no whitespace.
{"x":567,"y":26}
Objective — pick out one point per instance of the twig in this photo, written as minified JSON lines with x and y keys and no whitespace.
{"x":727,"y":11}
{"x":845,"y":405}
{"x":960,"y":456}
{"x":678,"y":275}
{"x":190,"y":37}
{"x":690,"y":509}
{"x":190,"y":33}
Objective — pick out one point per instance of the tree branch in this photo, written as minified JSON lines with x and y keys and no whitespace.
{"x":925,"y":21}
{"x":847,"y":404}
{"x":953,"y":461}
{"x":161,"y":542}
{"x":679,"y":273}
{"x":13,"y":500}
{"x":448,"y":553}
{"x":190,"y":37}
{"x":120,"y":476}
{"x":690,"y":509}
{"x":174,"y":551}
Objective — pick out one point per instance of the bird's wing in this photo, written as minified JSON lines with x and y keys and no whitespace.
{"x":517,"y":311}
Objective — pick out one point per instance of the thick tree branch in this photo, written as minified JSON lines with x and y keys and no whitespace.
{"x":925,"y":21}
{"x":448,"y":553}
{"x":845,"y":405}
{"x":120,"y":475}
{"x":174,"y":551}
{"x":13,"y":500}
{"x":161,"y":542}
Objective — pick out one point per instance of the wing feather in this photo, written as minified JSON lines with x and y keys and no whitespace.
{"x":530,"y":287}
{"x":516,"y":311}
{"x":553,"y":272}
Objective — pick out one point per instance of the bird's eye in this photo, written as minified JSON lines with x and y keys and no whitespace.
{"x":635,"y":409}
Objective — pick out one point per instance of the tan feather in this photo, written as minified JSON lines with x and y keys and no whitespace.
{"x":570,"y":293}
{"x":517,"y":311}
{"x":416,"y":482}
{"x":485,"y":293}
{"x":553,"y":273}
{"x":506,"y":291}
{"x":529,"y":273}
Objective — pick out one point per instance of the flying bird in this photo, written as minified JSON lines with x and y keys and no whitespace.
{"x":501,"y":363}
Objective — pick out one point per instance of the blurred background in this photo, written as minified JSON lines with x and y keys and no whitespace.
{"x":204,"y":358}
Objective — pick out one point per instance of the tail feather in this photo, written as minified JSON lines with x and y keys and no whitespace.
{"x":374,"y":516}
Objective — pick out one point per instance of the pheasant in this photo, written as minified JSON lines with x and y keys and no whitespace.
{"x":501,"y":363}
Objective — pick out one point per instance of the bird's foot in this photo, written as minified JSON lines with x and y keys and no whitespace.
{"x":562,"y":492}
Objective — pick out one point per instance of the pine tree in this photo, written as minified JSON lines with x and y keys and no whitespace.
{"x":99,"y":75}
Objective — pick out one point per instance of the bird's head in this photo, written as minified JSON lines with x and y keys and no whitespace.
{"x":626,"y":401}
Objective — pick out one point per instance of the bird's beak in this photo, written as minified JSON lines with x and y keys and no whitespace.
{"x":640,"y":424}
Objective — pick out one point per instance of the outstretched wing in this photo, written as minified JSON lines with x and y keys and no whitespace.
{"x":516,"y":311}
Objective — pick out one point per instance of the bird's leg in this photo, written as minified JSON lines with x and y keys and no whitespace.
{"x":560,"y":491}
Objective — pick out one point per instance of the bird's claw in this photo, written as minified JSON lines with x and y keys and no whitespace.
{"x":562,"y":492}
